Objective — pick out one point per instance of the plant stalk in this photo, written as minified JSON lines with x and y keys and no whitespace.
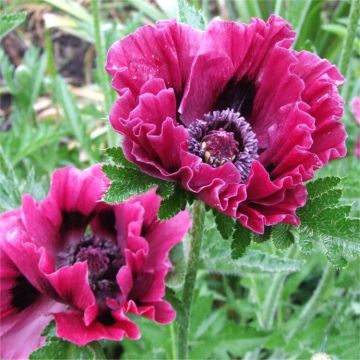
{"x":198,"y":217}
{"x":100,"y":63}
{"x":350,"y":37}
{"x":273,"y":296}
{"x":312,"y":305}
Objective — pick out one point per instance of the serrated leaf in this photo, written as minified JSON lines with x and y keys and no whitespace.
{"x":56,"y":348}
{"x":264,"y":237}
{"x":241,"y":240}
{"x":216,"y":257}
{"x":117,"y":156}
{"x":173,"y":204}
{"x":9,"y":22}
{"x":165,"y":188}
{"x":322,"y":185}
{"x":326,"y":222}
{"x":225,"y":224}
{"x":189,"y":15}
{"x":282,"y":236}
{"x":127,"y":182}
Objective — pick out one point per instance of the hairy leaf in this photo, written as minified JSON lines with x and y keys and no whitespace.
{"x":241,"y":240}
{"x":117,"y":156}
{"x":282,"y":236}
{"x":225,"y":224}
{"x":327,"y":221}
{"x":189,"y":15}
{"x":174,"y":203}
{"x":127,"y":182}
{"x":58,"y":349}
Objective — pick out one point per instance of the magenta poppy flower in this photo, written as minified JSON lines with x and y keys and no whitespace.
{"x":24,"y":310}
{"x":232,"y":114}
{"x":84,"y":263}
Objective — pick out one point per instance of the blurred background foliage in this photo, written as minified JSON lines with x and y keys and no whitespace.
{"x":55,"y":97}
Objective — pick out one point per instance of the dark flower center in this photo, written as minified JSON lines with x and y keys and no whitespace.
{"x":224,"y":136}
{"x":104,"y":259}
{"x":23,"y":294}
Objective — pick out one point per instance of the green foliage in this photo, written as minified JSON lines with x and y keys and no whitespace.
{"x":326,"y":220}
{"x":58,"y":349}
{"x":9,"y":22}
{"x":241,"y":240}
{"x":232,"y":293}
{"x":174,"y":203}
{"x":12,"y":188}
{"x":189,"y":15}
{"x":225,"y":224}
{"x":217,"y":257}
{"x":283,"y":236}
{"x":127,"y":180}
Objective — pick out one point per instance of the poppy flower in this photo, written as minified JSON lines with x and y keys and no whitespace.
{"x":24,"y":310}
{"x":84,"y":263}
{"x":230,"y":113}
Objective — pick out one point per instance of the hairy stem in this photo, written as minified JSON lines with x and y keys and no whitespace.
{"x":350,"y":37}
{"x":273,"y":296}
{"x":198,"y":217}
{"x":173,"y":342}
{"x":311,"y":306}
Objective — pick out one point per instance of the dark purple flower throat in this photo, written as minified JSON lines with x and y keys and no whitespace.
{"x":224,"y":136}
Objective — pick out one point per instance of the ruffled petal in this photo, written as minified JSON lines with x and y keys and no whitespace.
{"x":321,"y":81}
{"x":70,"y":326}
{"x":72,"y":285}
{"x":230,"y":50}
{"x":20,"y":334}
{"x":164,"y":236}
{"x":165,"y":51}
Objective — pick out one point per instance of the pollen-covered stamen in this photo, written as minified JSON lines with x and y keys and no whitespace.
{"x":104,"y":259}
{"x":219,"y":146}
{"x":224,"y":136}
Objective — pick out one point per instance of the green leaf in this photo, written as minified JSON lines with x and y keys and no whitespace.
{"x":216,"y":257}
{"x":189,"y":15}
{"x":148,"y":9}
{"x":176,"y":276}
{"x":241,"y":240}
{"x":59,"y":349}
{"x":327,"y":222}
{"x":225,"y":224}
{"x":9,"y":22}
{"x":73,"y":115}
{"x":117,"y":156}
{"x":322,"y":185}
{"x":127,"y":182}
{"x":174,"y":203}
{"x":264,"y":237}
{"x":282,"y":236}
{"x":73,"y":8}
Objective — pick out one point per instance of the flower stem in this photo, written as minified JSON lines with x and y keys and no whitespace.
{"x":277,"y":9}
{"x":273,"y":296}
{"x":173,"y":342}
{"x":100,"y":63}
{"x":350,"y":37}
{"x":198,"y":217}
{"x":311,"y":307}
